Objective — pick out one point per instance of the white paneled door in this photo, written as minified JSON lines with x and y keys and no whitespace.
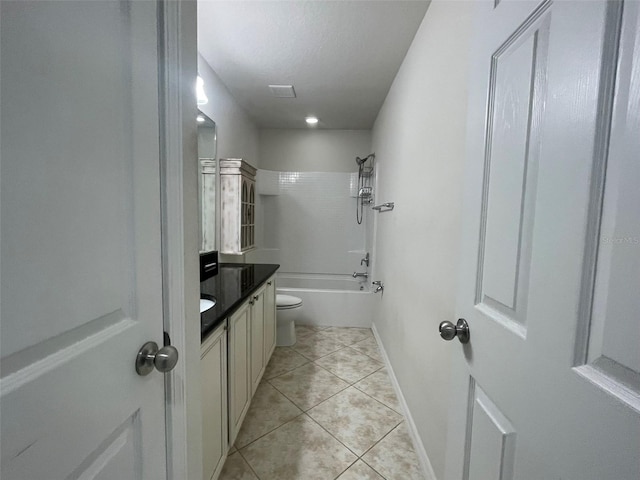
{"x":81,"y":254}
{"x":548,"y":387}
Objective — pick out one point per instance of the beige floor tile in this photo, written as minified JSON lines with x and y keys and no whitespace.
{"x":269,"y":409}
{"x":316,"y":346}
{"x":308,"y":385}
{"x":299,"y":450}
{"x":236,"y":468}
{"x":360,"y":471}
{"x":349,"y":364}
{"x":283,"y":360}
{"x":347,"y":335}
{"x":394,"y":456}
{"x":303,"y":331}
{"x":369,"y":347}
{"x":378,"y":385}
{"x":356,"y":419}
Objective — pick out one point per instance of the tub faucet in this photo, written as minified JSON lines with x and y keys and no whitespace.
{"x":363,"y":275}
{"x":379,"y":286}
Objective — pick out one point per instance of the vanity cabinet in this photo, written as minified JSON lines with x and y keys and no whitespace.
{"x":234,"y":358}
{"x":239,"y":368}
{"x":238,"y":206}
{"x":213,"y":380}
{"x":252,"y":338}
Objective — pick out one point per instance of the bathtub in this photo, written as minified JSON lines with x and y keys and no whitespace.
{"x":330,"y":300}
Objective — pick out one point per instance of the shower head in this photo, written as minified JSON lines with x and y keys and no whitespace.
{"x":361,"y":161}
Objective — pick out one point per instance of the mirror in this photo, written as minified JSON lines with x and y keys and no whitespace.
{"x":207,"y":168}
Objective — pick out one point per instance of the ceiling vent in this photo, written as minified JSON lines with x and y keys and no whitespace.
{"x":283,"y":91}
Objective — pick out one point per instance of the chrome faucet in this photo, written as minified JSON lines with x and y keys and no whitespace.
{"x":365,"y":260}
{"x":379,"y":286}
{"x":363,"y":275}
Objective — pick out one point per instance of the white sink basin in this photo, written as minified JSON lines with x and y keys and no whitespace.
{"x":206,"y":304}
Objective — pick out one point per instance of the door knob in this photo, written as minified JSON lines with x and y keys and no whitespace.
{"x":164,"y":359}
{"x":449,"y":331}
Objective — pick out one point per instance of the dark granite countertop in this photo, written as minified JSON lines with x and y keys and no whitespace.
{"x":231,"y":287}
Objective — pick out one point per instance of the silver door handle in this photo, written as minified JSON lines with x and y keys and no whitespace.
{"x":449,"y":331}
{"x":149,"y":356}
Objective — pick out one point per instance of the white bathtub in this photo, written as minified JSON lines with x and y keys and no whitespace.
{"x":330,"y":300}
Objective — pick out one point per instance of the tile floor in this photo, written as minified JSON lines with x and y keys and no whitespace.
{"x":325,"y":410}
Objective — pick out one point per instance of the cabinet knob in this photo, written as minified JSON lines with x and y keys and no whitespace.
{"x":269,"y":283}
{"x":256,"y":297}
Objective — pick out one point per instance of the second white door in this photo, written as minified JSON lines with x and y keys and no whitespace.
{"x":549,"y":385}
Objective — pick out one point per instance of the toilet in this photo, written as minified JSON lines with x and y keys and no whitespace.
{"x":288,"y":311}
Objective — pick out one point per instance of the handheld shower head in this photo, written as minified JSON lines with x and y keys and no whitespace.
{"x":360,"y":161}
{"x":364,"y":189}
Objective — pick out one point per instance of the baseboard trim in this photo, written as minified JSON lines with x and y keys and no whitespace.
{"x":411,"y":426}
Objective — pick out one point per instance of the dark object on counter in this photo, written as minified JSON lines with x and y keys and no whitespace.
{"x":233,"y":284}
{"x":208,"y":265}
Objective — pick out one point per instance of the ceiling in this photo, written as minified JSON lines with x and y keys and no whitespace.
{"x":340,"y":56}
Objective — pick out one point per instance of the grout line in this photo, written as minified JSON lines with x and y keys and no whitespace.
{"x":272,"y":430}
{"x":302,"y":408}
{"x":333,"y":436}
{"x":380,"y":402}
{"x":364,"y":353}
{"x":291,"y":370}
{"x":247,"y":462}
{"x":385,"y":436}
{"x":367,"y":376}
{"x":363,"y":461}
{"x":354,"y":462}
{"x":321,"y":356}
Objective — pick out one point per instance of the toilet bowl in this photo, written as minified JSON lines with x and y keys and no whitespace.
{"x":288,"y":310}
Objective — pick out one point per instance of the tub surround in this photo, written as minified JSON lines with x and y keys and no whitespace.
{"x":233,"y":284}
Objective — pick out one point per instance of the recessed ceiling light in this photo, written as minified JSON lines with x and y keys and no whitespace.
{"x":311,"y":120}
{"x":200,"y":118}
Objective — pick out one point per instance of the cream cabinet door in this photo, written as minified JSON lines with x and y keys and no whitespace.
{"x":239,"y":368}
{"x":257,"y":337}
{"x":269,"y":319}
{"x":213,"y":380}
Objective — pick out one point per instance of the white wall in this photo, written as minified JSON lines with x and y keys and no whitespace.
{"x":310,"y":225}
{"x":313,"y":150}
{"x":237,"y":134}
{"x":419,"y":139}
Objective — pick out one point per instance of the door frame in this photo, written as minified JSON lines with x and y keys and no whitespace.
{"x":177,"y":57}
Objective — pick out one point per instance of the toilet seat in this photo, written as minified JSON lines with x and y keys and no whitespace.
{"x":286,"y":302}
